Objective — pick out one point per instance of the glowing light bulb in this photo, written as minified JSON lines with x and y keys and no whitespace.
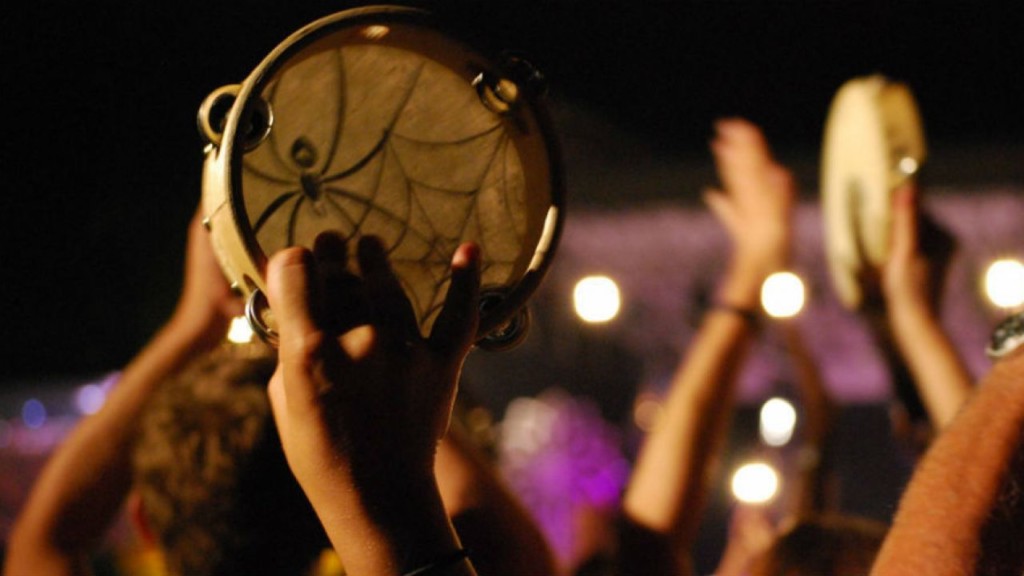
{"x":778,"y":420}
{"x":1004,"y":283}
{"x":90,"y":398}
{"x":755,"y":483}
{"x":240,"y":332}
{"x":908,"y":165}
{"x":782,"y":295}
{"x":596,"y":299}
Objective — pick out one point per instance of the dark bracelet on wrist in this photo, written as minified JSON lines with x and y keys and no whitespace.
{"x":438,"y":566}
{"x":749,"y":315}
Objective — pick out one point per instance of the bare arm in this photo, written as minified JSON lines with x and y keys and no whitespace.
{"x":360,"y":409}
{"x":83,"y":485}
{"x":961,"y":511}
{"x":669,"y":484}
{"x":751,"y":534}
{"x":909,"y":283}
{"x":819,"y":423}
{"x":488,"y":517}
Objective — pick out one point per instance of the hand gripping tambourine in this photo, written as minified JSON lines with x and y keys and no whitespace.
{"x":373,"y":121}
{"x":873,"y":143}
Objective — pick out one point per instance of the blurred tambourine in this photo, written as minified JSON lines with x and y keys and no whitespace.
{"x":873,"y":143}
{"x":374,"y":121}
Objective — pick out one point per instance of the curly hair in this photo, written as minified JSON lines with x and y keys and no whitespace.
{"x":213,"y":479}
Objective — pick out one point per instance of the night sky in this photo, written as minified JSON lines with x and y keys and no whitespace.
{"x":101,"y":156}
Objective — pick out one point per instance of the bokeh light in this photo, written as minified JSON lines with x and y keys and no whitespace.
{"x":782,"y":295}
{"x":33,"y":414}
{"x":596,"y":299}
{"x":240,"y":331}
{"x":90,"y":398}
{"x":1004,"y":283}
{"x":908,"y":165}
{"x":778,"y":420}
{"x":755,"y":483}
{"x":647,"y":411}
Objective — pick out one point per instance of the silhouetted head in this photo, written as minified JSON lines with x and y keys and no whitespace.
{"x":216,"y":492}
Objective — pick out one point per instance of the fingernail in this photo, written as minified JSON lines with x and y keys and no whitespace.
{"x":466,"y":255}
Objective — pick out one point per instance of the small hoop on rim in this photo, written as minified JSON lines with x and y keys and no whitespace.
{"x":256,"y":310}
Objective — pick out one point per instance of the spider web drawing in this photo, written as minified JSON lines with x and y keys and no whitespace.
{"x":372,"y":140}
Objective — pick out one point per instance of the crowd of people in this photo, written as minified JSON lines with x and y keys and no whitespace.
{"x":251,"y":460}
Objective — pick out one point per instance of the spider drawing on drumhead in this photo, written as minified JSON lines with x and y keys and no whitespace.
{"x":373,"y":140}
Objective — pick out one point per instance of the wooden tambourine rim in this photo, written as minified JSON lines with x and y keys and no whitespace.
{"x":237,"y":249}
{"x":883,"y":150}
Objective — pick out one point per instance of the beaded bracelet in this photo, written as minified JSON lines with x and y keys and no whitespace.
{"x":434,"y":567}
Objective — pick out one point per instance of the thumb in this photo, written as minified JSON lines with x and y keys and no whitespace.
{"x":291,"y":291}
{"x":278,"y":402}
{"x":903,"y":234}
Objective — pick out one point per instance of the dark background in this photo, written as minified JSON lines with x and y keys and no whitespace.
{"x":101,"y":158}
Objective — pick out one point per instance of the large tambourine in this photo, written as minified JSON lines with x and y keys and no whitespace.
{"x":873,"y":143}
{"x":374,"y":121}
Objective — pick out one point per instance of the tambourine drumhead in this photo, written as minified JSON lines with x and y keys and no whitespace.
{"x":873,"y":142}
{"x":373,"y":122}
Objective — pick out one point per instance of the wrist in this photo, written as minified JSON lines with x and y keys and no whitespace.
{"x":910,"y":302}
{"x":387,"y":525}
{"x":741,"y":285}
{"x":906,"y":320}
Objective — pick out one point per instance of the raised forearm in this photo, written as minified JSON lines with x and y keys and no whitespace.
{"x":939,"y":374}
{"x":820,"y":413}
{"x":388,"y":526}
{"x":951,"y":498}
{"x":813,"y":394}
{"x":670,"y":479}
{"x":668,"y":484}
{"x":359,"y":417}
{"x":489,"y":519}
{"x":82,"y":486}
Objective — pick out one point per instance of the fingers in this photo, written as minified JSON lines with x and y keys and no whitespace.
{"x":903,"y":237}
{"x":292,"y":292}
{"x":390,"y":307}
{"x":455,"y":327}
{"x":206,"y":291}
{"x":741,"y":154}
{"x":781,"y":180}
{"x":743,"y":132}
{"x":345,"y":304}
{"x":746,"y":166}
